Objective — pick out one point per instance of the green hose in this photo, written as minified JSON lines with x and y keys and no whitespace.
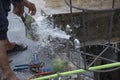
{"x":106,"y":66}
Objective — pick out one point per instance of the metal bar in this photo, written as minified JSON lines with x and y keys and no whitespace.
{"x":106,"y":66}
{"x":84,"y":43}
{"x":113,"y":3}
{"x":90,"y":9}
{"x":71,"y":15}
{"x":111,"y":26}
{"x":98,"y":56}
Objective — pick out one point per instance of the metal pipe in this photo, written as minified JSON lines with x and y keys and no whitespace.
{"x":106,"y":66}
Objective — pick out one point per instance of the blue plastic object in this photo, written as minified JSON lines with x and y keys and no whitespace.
{"x":21,"y":65}
{"x":36,"y":60}
{"x":20,"y":69}
{"x":45,"y":69}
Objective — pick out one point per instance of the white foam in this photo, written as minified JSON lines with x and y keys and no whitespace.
{"x":45,"y":29}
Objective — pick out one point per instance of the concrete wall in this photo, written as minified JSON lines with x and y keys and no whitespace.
{"x":60,"y":7}
{"x":97,"y":25}
{"x":83,"y":3}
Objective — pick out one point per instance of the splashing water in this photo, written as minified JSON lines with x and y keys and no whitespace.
{"x":46,"y":29}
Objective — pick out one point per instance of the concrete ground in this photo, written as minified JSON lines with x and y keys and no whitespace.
{"x":16,"y":34}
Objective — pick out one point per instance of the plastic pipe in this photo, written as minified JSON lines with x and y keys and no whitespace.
{"x":106,"y":66}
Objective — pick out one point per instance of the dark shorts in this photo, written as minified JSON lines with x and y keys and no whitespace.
{"x":3,"y":22}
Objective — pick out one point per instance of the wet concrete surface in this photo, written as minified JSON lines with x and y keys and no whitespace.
{"x":16,"y":34}
{"x":47,"y":55}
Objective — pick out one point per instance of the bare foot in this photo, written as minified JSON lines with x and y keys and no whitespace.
{"x":8,"y":44}
{"x":11,"y":45}
{"x":9,"y":76}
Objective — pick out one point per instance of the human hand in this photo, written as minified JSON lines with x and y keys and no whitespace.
{"x":30,"y":6}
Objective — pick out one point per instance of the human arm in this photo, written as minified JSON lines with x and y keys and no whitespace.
{"x":19,"y":7}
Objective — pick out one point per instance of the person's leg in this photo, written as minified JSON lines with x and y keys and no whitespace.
{"x":4,"y":64}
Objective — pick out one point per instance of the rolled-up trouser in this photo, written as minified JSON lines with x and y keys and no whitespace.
{"x":3,"y":22}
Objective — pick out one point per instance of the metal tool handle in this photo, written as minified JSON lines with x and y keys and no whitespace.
{"x":20,"y":69}
{"x":21,"y":65}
